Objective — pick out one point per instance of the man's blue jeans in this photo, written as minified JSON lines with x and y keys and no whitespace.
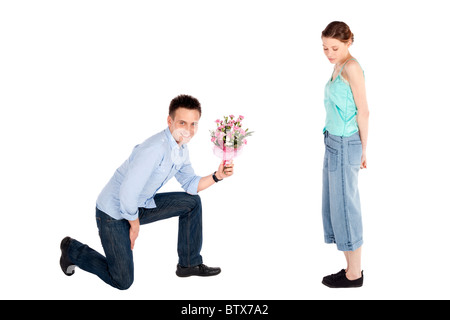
{"x":117,"y":268}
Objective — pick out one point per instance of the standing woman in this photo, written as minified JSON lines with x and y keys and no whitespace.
{"x":345,"y":135}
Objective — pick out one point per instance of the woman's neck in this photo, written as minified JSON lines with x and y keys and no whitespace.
{"x":344,"y":60}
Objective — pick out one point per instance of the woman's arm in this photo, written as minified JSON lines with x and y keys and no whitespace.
{"x":355,"y":77}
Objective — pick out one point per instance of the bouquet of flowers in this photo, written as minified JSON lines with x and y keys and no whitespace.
{"x":229,"y":138}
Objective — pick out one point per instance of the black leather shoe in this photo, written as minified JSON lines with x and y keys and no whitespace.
{"x":339,"y":280}
{"x":66,"y":265}
{"x":201,"y":270}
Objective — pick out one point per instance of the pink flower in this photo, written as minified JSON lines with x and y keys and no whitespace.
{"x":229,"y":135}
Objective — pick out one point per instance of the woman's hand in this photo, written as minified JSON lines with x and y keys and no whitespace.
{"x":363,"y":160}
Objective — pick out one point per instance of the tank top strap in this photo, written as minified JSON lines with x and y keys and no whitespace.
{"x":342,"y":68}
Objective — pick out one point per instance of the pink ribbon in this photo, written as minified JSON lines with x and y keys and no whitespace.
{"x":227,"y":153}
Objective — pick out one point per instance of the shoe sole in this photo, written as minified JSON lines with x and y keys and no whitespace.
{"x":70,"y":270}
{"x":334,"y":287}
{"x":195,"y":275}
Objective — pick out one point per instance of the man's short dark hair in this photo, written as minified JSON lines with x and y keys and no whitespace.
{"x":184,"y":101}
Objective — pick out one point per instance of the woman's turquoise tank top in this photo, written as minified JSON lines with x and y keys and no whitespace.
{"x":340,"y":107}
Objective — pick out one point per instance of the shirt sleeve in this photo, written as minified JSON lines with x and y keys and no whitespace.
{"x":141,"y":166}
{"x":187,"y":177}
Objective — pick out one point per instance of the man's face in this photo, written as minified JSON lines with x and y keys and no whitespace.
{"x":184,"y":125}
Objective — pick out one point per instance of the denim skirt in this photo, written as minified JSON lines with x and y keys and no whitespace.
{"x":341,"y":208}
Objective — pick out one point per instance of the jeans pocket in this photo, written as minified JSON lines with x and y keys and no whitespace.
{"x":99,"y":225}
{"x":332,"y":159}
{"x":354,"y":152}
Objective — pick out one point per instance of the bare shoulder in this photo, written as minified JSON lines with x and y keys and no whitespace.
{"x":353,"y":70}
{"x":353,"y":67}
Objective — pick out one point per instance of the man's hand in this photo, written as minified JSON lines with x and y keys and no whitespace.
{"x":134,"y":231}
{"x":225,"y":172}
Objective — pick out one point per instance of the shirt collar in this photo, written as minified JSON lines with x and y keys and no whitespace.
{"x":171,"y":139}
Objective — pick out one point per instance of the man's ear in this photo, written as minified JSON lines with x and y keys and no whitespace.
{"x":169,"y":120}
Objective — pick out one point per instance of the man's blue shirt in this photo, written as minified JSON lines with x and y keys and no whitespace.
{"x":150,"y":165}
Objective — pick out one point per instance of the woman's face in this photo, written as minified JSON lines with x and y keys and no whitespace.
{"x":335,"y":50}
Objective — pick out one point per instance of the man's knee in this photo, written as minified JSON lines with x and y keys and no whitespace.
{"x":197,"y":200}
{"x":123,"y":283}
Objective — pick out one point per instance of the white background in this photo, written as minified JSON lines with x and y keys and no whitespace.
{"x":82,"y":82}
